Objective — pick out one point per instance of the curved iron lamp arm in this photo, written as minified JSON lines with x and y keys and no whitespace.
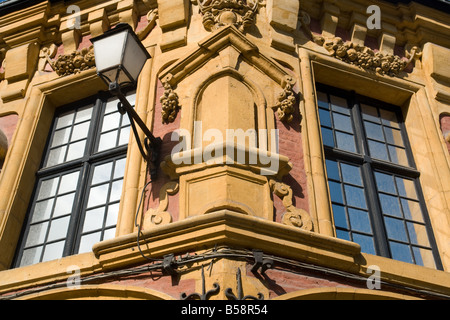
{"x":151,"y":143}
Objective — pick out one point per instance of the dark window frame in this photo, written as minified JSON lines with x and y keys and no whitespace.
{"x":85,"y":165}
{"x":370,"y":165}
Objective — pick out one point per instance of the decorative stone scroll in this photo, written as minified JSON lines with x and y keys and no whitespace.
{"x":72,"y":63}
{"x":160,"y":215}
{"x":46,"y":55}
{"x":218,"y":13}
{"x":293,"y":217}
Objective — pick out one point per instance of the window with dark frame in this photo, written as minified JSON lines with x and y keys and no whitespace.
{"x":78,"y":188}
{"x":375,"y":193}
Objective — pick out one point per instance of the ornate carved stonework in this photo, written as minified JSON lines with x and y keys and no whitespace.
{"x":218,"y":13}
{"x":46,"y":55}
{"x":170,"y":104}
{"x":368,"y":59}
{"x":293,"y":217}
{"x":160,"y":215}
{"x":75,"y":62}
{"x":286,"y":101}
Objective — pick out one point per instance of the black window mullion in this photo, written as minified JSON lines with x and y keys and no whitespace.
{"x":375,"y":211}
{"x":75,"y":218}
{"x":95,"y":129}
{"x":376,"y":219}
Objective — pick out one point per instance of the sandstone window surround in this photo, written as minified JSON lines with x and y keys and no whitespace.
{"x":79,"y":187}
{"x":372,"y":178}
{"x":410,"y":96}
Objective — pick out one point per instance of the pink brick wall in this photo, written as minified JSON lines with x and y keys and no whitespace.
{"x":8,"y":125}
{"x":445,"y":127}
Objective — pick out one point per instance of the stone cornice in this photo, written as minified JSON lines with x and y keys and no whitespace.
{"x":232,"y":229}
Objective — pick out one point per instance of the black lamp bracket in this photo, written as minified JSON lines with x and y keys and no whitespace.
{"x":151,"y":144}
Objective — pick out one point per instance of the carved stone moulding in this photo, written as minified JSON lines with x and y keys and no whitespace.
{"x":218,"y":13}
{"x":293,"y":216}
{"x":75,"y":62}
{"x":366,"y":58}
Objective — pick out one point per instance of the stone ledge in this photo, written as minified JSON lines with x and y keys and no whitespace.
{"x":229,"y":228}
{"x":233,"y":229}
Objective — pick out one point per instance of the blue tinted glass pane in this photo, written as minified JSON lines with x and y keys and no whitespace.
{"x":406,"y":188}
{"x":385,"y":182}
{"x":355,"y":197}
{"x":345,"y":141}
{"x":412,"y":210}
{"x":336,"y":192}
{"x":340,"y":219}
{"x":418,"y":234}
{"x":378,"y":150}
{"x":393,"y":136}
{"x":401,"y":252}
{"x":343,"y":235}
{"x":424,"y":257}
{"x":366,"y":243}
{"x":342,"y":122}
{"x":398,"y":155}
{"x":322,"y":100}
{"x":327,"y":136}
{"x":359,"y":220}
{"x":351,"y":174}
{"x":332,"y":170}
{"x":389,"y":118}
{"x":339,"y":104}
{"x":390,"y":205}
{"x":395,"y":229}
{"x":370,"y":113}
{"x":325,"y":119}
{"x":374,"y":131}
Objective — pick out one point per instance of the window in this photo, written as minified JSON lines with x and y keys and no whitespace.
{"x":374,"y":188}
{"x":77,"y":193}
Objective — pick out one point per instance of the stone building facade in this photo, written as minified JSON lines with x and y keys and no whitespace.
{"x":305,"y":151}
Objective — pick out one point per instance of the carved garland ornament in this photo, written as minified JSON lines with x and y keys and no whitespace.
{"x":286,"y":101}
{"x":361,"y":56}
{"x":170,"y":104}
{"x":293,"y":217}
{"x":218,"y":13}
{"x":366,"y":58}
{"x":75,"y":62}
{"x":68,"y":64}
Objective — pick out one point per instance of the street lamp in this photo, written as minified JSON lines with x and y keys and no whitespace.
{"x":119,"y":58}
